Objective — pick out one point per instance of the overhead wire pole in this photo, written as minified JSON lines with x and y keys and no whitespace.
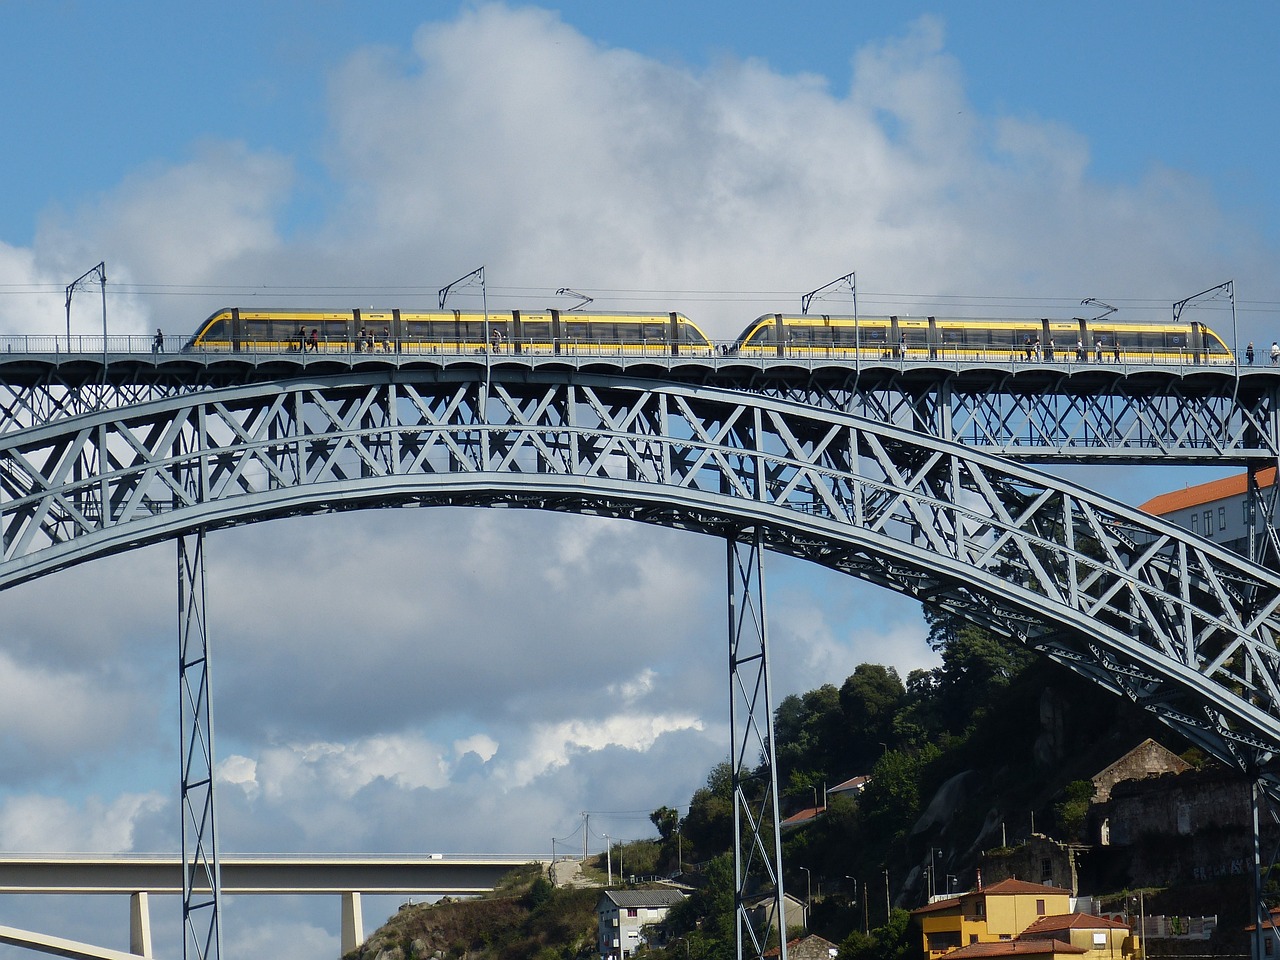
{"x":478,"y":275}
{"x":757,"y":834}
{"x":852,"y":280}
{"x":201,"y":872}
{"x":98,"y":273}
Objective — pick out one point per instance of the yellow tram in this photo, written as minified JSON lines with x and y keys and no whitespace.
{"x":937,"y":338}
{"x":447,"y":331}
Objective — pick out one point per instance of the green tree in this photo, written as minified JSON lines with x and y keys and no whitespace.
{"x":1073,"y":809}
{"x":709,"y":826}
{"x":869,"y":700}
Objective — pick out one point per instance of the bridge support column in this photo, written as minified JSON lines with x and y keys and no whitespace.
{"x":201,"y":877}
{"x":352,"y":922}
{"x":140,"y":924}
{"x":757,"y":837}
{"x":1264,"y":921}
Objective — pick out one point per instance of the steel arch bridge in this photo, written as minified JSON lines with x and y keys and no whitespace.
{"x":1178,"y":625}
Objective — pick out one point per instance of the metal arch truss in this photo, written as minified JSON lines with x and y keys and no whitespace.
{"x":201,"y":873}
{"x":1174,"y":623}
{"x":757,"y":834}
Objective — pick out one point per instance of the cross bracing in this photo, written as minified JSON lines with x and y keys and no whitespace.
{"x":1173,"y":622}
{"x":1069,"y":412}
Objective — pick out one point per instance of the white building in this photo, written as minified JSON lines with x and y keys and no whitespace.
{"x":623,"y":916}
{"x":1217,"y":510}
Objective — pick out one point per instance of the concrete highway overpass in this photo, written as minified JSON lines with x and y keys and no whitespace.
{"x":140,"y":875}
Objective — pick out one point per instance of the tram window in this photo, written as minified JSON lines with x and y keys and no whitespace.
{"x":469,"y":330}
{"x":218,"y":331}
{"x":536,"y":329}
{"x":821,"y":335}
{"x":845,"y":336}
{"x":875,"y":335}
{"x":952,"y":335}
{"x":1175,"y":340}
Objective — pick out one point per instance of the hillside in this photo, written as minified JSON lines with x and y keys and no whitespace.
{"x":525,"y":919}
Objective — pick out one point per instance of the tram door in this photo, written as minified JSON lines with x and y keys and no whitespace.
{"x":1197,"y":342}
{"x":236,"y":329}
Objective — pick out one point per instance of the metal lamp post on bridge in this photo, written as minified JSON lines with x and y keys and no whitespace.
{"x":98,"y":273}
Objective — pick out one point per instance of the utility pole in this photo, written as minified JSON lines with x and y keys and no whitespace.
{"x":586,"y":820}
{"x":608,"y":857}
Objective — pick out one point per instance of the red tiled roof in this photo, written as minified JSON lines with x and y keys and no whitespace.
{"x":938,"y":905}
{"x":1014,"y":948}
{"x":1203,"y":493}
{"x":1072,"y":921}
{"x":802,"y":816}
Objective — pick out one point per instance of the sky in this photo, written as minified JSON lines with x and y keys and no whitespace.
{"x":473,"y":681}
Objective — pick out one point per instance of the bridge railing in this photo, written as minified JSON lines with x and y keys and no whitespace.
{"x":88,"y":345}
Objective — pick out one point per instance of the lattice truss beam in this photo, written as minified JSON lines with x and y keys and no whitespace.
{"x":1029,"y":412}
{"x":1171,"y":621}
{"x":1063,"y":418}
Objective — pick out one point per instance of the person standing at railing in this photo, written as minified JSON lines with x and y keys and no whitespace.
{"x":1248,"y":354}
{"x":157,"y":342}
{"x":1275,"y":353}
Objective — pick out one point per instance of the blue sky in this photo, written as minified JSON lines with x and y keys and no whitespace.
{"x":717,"y":158}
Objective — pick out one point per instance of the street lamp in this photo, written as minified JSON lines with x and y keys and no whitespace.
{"x":950,"y":877}
{"x":808,"y":896}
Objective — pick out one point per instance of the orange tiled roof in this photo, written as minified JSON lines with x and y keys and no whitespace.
{"x":939,"y":905}
{"x":1014,"y":948}
{"x":1072,"y":921}
{"x":803,"y":816}
{"x":1203,"y":493}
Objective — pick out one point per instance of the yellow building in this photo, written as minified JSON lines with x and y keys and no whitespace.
{"x":1102,"y":939}
{"x":988,"y":915}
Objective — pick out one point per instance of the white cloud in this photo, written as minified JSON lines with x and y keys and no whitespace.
{"x":556,"y":745}
{"x":53,"y":824}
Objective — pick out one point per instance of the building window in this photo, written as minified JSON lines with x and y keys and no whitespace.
{"x":1222,"y":518}
{"x":632,"y":912}
{"x":1039,"y":908}
{"x":1046,"y":869}
{"x":1208,"y":523}
{"x":1195,"y":523}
